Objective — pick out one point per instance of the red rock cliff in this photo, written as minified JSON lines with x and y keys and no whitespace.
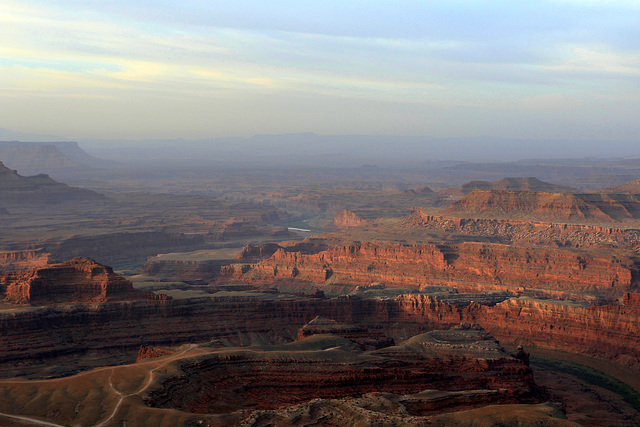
{"x":120,"y":328}
{"x":348,"y":219}
{"x":327,"y":366}
{"x":467,"y":266}
{"x":526,"y":232}
{"x":608,"y":331}
{"x":569,"y":207}
{"x":24,"y":260}
{"x":80,"y":279}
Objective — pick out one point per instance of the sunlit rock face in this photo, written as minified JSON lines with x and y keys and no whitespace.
{"x":77,"y":280}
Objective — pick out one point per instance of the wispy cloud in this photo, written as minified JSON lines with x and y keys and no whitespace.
{"x":597,"y":60}
{"x":469,"y":55}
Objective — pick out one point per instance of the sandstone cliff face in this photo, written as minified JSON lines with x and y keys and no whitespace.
{"x":24,"y":260}
{"x":116,"y":330}
{"x":327,"y":366}
{"x":608,"y":331}
{"x":632,"y":187}
{"x":467,"y":266}
{"x":348,"y":219}
{"x":532,"y":268}
{"x":526,"y":232}
{"x":541,"y":206}
{"x":80,"y":279}
{"x":257,"y":252}
{"x":150,"y":352}
{"x":516,"y":184}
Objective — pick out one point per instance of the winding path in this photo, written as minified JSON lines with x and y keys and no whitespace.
{"x":165,"y":361}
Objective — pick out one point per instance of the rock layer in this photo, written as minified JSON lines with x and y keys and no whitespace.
{"x":327,"y":366}
{"x":516,"y":184}
{"x":541,"y":206}
{"x":526,"y":232}
{"x":467,"y":266}
{"x":607,"y":331}
{"x":116,"y":330}
{"x":24,"y":260}
{"x":348,"y":219}
{"x":77,"y":280}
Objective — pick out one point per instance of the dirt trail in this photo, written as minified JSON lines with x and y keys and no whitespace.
{"x":152,"y":374}
{"x":159,"y":363}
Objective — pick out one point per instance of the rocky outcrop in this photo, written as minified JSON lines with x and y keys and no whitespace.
{"x":266,"y":250}
{"x":150,"y":352}
{"x":61,"y":157}
{"x":366,"y":337}
{"x":24,"y":260}
{"x":420,"y":191}
{"x":35,"y":157}
{"x":320,"y":266}
{"x":607,"y":331}
{"x":390,"y":409}
{"x":632,"y":187}
{"x":17,"y":190}
{"x":516,"y":184}
{"x":327,"y":366}
{"x":541,"y":206}
{"x":78,"y":280}
{"x":466,"y":266}
{"x":525,"y":232}
{"x":258,"y":252}
{"x":348,"y":219}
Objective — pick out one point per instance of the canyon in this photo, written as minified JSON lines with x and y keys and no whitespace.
{"x":470,"y":266}
{"x":350,"y":304}
{"x":328,"y":366}
{"x":352,"y":326}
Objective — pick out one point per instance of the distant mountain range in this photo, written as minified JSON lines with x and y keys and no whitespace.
{"x":308,"y":149}
{"x":30,"y":158}
{"x":446,"y":162}
{"x":10,"y":135}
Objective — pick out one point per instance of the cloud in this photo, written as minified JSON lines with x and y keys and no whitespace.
{"x":467,"y":55}
{"x":597,"y":60}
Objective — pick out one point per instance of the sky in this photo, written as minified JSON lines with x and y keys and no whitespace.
{"x":561,"y":69}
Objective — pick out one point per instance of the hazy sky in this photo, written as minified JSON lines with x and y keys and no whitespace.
{"x":194,"y":69}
